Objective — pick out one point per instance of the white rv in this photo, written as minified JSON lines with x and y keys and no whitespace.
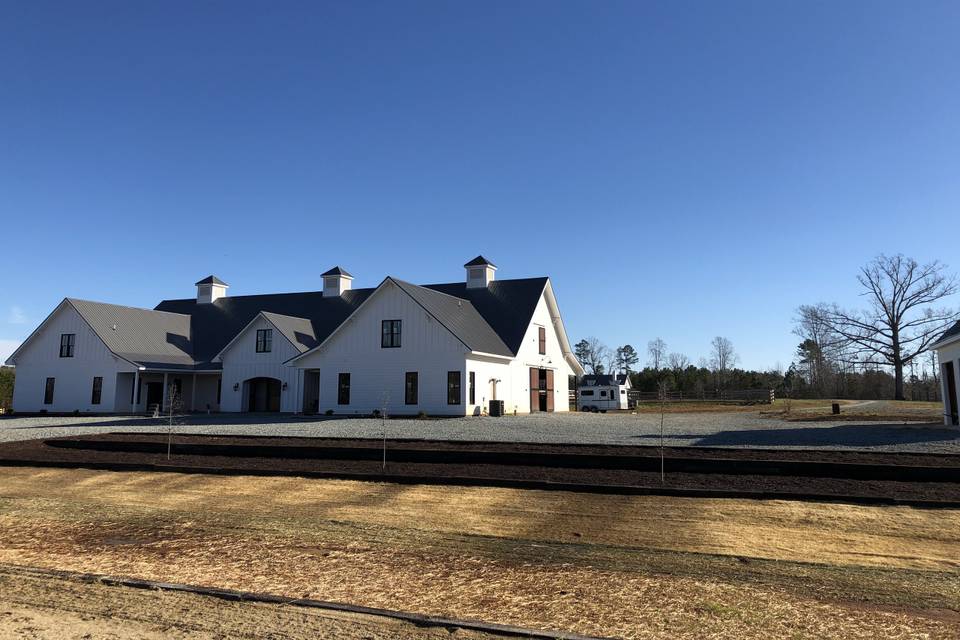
{"x":602,"y":392}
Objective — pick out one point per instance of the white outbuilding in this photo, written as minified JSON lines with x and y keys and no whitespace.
{"x":948,"y":355}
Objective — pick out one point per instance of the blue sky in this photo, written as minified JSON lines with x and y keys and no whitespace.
{"x":680,"y":169}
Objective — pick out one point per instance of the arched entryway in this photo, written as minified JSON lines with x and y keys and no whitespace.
{"x":261,"y":394}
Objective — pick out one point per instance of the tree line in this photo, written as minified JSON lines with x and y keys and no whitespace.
{"x":878,"y":352}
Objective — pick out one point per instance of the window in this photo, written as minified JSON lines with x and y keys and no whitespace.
{"x":48,"y":391}
{"x":410,"y":387}
{"x":97,"y":390}
{"x":453,"y":387}
{"x":390,"y":334}
{"x":622,"y":392}
{"x":343,"y":388}
{"x":219,"y":388}
{"x":586,"y":392}
{"x":67,"y":341}
{"x":543,"y":340}
{"x":472,"y":381}
{"x":603,"y":394}
{"x":264,"y":340}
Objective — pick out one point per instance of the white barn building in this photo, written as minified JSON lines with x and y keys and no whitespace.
{"x":948,"y":355}
{"x":441,"y":349}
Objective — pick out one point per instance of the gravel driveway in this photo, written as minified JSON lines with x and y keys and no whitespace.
{"x":735,"y":429}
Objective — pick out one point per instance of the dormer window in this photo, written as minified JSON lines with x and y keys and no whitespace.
{"x":264,"y":340}
{"x":67,"y":340}
{"x":390,"y":334}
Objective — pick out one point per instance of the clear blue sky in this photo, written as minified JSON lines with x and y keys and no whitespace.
{"x":680,"y":169}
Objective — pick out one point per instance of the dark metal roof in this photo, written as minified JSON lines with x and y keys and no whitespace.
{"x":602,"y":380}
{"x":139,"y":335}
{"x":952,"y":332}
{"x":506,"y":307}
{"x":336,"y":271}
{"x":213,"y":280}
{"x":460,"y":318}
{"x":183,"y":334}
{"x":480,"y":261}
{"x":299,"y":331}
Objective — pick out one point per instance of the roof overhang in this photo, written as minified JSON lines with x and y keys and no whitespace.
{"x":939,"y":344}
{"x":557,"y":320}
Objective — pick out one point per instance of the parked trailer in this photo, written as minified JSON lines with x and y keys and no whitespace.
{"x":603,"y":398}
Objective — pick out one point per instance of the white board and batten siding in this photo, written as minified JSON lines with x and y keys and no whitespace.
{"x":378,"y":374}
{"x":73,"y":390}
{"x":241,"y":362}
{"x":529,"y":356}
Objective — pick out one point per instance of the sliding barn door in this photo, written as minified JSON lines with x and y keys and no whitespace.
{"x":549,"y":389}
{"x":534,"y":390}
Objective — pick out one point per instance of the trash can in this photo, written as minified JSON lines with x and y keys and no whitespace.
{"x":496,"y":408}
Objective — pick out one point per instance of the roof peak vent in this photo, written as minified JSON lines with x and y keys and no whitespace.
{"x":336,"y":282}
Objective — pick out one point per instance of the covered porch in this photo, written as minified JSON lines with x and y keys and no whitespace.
{"x":185,"y":391}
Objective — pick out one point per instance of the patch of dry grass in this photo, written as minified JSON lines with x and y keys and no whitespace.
{"x":606,"y":565}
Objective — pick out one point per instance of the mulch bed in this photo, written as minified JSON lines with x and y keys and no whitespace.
{"x":47,"y":452}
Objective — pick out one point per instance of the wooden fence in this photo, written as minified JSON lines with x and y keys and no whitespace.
{"x":763,"y":396}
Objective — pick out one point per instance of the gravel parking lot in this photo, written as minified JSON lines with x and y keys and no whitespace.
{"x":735,"y":429}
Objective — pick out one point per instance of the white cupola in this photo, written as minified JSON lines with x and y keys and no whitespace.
{"x":480,"y":273}
{"x":335,"y":282}
{"x":211,"y":289}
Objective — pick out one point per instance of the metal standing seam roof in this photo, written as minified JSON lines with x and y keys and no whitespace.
{"x":459,"y":316}
{"x":140,"y":335}
{"x":299,"y":331}
{"x":185,"y":334}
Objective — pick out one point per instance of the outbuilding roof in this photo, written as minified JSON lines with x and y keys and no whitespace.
{"x":949,"y":335}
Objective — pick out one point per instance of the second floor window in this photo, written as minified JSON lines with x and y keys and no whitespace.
{"x":264,"y":340}
{"x":542,"y":338}
{"x":390,"y":334}
{"x":67,"y":341}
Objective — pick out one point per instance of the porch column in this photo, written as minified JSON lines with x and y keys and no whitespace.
{"x":136,"y":383}
{"x":163,"y":401}
{"x":193,"y":394}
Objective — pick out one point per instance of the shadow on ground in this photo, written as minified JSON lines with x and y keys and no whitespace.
{"x":873,"y":435}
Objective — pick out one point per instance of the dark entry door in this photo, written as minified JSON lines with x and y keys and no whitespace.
{"x":951,"y":400}
{"x":154,"y":393}
{"x":264,"y":395}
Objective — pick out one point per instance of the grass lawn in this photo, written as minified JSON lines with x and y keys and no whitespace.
{"x":628,"y":566}
{"x":810,"y":410}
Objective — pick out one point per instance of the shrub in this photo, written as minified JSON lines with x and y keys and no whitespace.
{"x":328,"y":412}
{"x":422,"y":415}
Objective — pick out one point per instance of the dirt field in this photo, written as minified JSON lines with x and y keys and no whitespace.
{"x":46,"y":608}
{"x":638,"y":567}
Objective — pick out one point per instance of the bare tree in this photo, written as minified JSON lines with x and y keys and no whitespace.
{"x":722,"y":358}
{"x":678,"y":362}
{"x":593,"y":354}
{"x":657,"y":350}
{"x":899,"y":322}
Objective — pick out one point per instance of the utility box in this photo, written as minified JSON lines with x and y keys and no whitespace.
{"x":496,"y":408}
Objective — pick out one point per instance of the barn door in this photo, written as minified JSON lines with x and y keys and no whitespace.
{"x":549,"y":389}
{"x":534,"y":390}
